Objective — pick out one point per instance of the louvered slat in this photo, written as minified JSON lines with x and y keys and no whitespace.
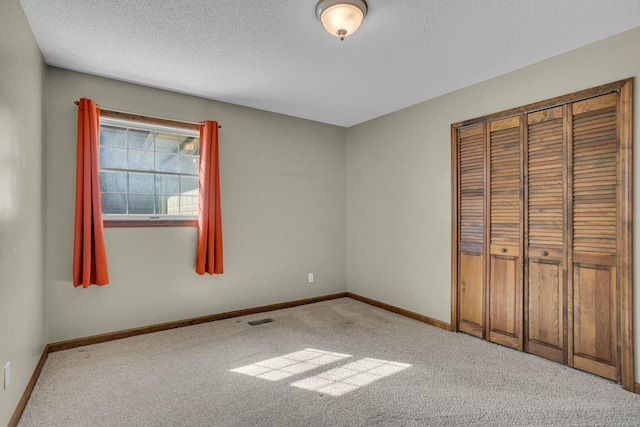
{"x":545,"y":183}
{"x":505,"y":186}
{"x":594,"y":181}
{"x":471,"y":218}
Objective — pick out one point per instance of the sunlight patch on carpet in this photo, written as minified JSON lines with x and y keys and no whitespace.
{"x":351,"y":376}
{"x":282,"y":367}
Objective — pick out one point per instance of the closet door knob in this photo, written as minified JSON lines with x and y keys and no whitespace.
{"x":503,"y":250}
{"x":545,"y":253}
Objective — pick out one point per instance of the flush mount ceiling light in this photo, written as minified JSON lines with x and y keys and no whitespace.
{"x":341,"y":18}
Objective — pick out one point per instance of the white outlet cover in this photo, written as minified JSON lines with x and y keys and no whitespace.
{"x":310,"y":277}
{"x":7,"y":375}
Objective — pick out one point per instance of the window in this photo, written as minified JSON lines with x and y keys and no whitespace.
{"x":148,"y":171}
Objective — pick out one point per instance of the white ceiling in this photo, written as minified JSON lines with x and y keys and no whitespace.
{"x":275,"y":55}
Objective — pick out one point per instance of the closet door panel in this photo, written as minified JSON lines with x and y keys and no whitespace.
{"x":471,"y":294}
{"x":506,"y":301}
{"x":594,"y":245}
{"x":595,"y":337}
{"x":545,"y":213}
{"x":545,"y":326}
{"x":505,"y":203}
{"x":471,"y":149}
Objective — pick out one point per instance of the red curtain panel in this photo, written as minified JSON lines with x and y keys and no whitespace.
{"x":89,"y":255}
{"x":209,"y":254}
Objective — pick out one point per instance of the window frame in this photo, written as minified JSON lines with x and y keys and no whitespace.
{"x":148,"y":220}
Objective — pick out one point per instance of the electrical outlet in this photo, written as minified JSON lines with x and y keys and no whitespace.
{"x":7,"y":375}
{"x":310,"y":277}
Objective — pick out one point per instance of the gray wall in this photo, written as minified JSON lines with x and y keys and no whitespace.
{"x":22,"y":292}
{"x":399,"y":176}
{"x":283,"y":190}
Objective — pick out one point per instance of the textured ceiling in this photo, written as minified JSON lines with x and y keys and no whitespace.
{"x":274,"y":55}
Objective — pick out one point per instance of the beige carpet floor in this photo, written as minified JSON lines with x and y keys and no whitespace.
{"x":334,"y":363}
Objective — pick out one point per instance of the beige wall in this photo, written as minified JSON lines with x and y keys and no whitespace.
{"x":399,"y":176}
{"x":283,"y":185}
{"x":22,"y":292}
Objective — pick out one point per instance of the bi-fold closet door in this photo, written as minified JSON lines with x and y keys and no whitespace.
{"x":546,"y":243}
{"x":504,"y":183}
{"x":526,"y":186}
{"x":543,"y":229}
{"x":596,"y":204}
{"x":571,"y":238}
{"x":470,"y":223}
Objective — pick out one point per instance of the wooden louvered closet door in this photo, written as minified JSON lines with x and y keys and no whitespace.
{"x":471,"y":225}
{"x":594,"y":238}
{"x":545,"y":222}
{"x":542,"y":229}
{"x":505,"y":283}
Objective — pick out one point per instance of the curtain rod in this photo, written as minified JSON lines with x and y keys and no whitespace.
{"x":151,"y":117}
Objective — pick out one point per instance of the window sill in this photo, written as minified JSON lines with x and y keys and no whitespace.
{"x":123,"y":223}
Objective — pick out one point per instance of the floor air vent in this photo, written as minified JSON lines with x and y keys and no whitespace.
{"x":260,"y":322}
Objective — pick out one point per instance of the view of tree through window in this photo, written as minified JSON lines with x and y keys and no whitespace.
{"x":148,"y":171}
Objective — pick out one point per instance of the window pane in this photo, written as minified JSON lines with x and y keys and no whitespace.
{"x":189,"y":205}
{"x":114,"y":204}
{"x":141,"y":139}
{"x":111,"y":157}
{"x":189,"y":184}
{"x":113,"y":182}
{"x":168,"y":205}
{"x":113,"y":136}
{"x":189,"y":164}
{"x":141,"y":183}
{"x":190,"y":146}
{"x":141,"y":204}
{"x":161,"y":204}
{"x":166,"y":162}
{"x":167,"y":184}
{"x":167,"y":143}
{"x":140,"y":160}
{"x":152,"y":172}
